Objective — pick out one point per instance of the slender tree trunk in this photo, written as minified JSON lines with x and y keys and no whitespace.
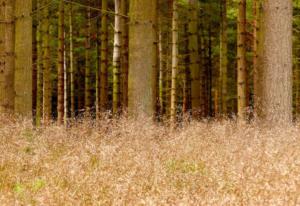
{"x":61,"y":63}
{"x":223,"y":57}
{"x":186,"y":76}
{"x":117,"y":59}
{"x":7,"y":56}
{"x":124,"y":52}
{"x":39,"y":65}
{"x":194,"y":58}
{"x":241,"y":59}
{"x":34,"y":62}
{"x":104,"y":58}
{"x":87,"y":76}
{"x":275,"y":62}
{"x":174,"y":60}
{"x":256,"y":17}
{"x":47,"y":88}
{"x":72,"y":72}
{"x":143,"y":52}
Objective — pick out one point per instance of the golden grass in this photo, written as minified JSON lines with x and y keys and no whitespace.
{"x":127,"y":162}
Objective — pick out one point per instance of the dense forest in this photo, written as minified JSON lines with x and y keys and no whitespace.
{"x":165,"y":58}
{"x":149,"y":102}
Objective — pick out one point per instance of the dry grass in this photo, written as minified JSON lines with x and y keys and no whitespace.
{"x":140,"y":163}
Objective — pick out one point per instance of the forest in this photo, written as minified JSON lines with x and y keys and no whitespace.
{"x":149,"y":102}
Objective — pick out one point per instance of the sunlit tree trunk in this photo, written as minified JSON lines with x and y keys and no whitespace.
{"x":61,"y":63}
{"x":241,"y":59}
{"x":174,"y":60}
{"x":194,"y":58}
{"x":223,"y":57}
{"x":275,"y":62}
{"x":117,"y":59}
{"x":142,"y":57}
{"x":23,"y":57}
{"x":7,"y":56}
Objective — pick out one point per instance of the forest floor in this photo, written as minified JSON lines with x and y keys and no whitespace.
{"x":127,"y":162}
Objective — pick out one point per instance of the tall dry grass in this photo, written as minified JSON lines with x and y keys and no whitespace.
{"x":127,"y":162}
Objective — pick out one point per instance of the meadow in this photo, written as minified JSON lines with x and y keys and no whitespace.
{"x":129,"y":162}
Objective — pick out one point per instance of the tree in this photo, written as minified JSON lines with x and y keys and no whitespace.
{"x":223,"y":56}
{"x":104,"y":58}
{"x":61,"y":63}
{"x":117,"y":58}
{"x":241,"y":59}
{"x":87,"y":75}
{"x":47,"y":88}
{"x":194,"y":58}
{"x":174,"y":60}
{"x":7,"y":56}
{"x":275,"y":62}
{"x":142,"y":57}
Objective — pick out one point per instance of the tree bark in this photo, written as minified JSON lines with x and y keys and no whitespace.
{"x":7,"y":56}
{"x":275,"y":62}
{"x":142,"y":57}
{"x":241,"y":59}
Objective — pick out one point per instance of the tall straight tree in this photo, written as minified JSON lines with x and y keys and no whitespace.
{"x":23,"y":57}
{"x":142,"y":57}
{"x":223,"y":57}
{"x":87,"y":74}
{"x":241,"y":59}
{"x":275,"y":62}
{"x":174,"y":60}
{"x":72,"y":68}
{"x":47,"y":88}
{"x":60,"y":68}
{"x":104,"y":58}
{"x":7,"y":56}
{"x":117,"y":58}
{"x":194,"y":58}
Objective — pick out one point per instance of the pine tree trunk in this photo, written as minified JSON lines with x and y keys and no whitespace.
{"x":174,"y":60}
{"x":143,"y":53}
{"x":23,"y":57}
{"x":39,"y":62}
{"x":47,"y":88}
{"x":124,"y":52}
{"x":223,"y":57}
{"x":104,"y":58}
{"x":241,"y":59}
{"x":275,"y":62}
{"x":117,"y":59}
{"x":7,"y":54}
{"x":60,"y":69}
{"x":194,"y":59}
{"x":72,"y":72}
{"x":87,"y":76}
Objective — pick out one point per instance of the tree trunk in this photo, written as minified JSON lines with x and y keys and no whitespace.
{"x":104,"y":58}
{"x":174,"y":60}
{"x":23,"y":57}
{"x":241,"y":59}
{"x":61,"y":63}
{"x":117,"y":59}
{"x":275,"y":62}
{"x":87,"y":76}
{"x":124,"y":52}
{"x":7,"y":54}
{"x":223,"y":57}
{"x":47,"y":88}
{"x":194,"y":59}
{"x":72,"y":72}
{"x":142,"y":57}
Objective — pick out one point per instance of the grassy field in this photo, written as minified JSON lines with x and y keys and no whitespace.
{"x":129,"y":162}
